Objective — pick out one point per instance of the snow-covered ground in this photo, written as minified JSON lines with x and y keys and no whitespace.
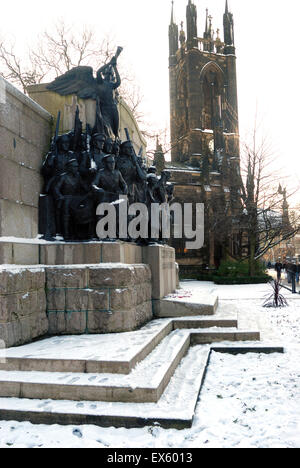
{"x":247,"y":400}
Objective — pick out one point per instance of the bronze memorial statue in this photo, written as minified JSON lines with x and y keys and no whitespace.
{"x":86,"y":168}
{"x":81,"y":81}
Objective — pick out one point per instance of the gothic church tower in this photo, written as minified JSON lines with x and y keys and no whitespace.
{"x":204,"y":124}
{"x":203,"y":89}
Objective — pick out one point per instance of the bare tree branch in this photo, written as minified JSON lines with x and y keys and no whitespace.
{"x":60,"y":49}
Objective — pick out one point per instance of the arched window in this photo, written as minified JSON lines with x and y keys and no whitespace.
{"x":212,"y":86}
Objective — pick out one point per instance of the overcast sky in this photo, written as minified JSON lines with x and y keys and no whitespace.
{"x":267,"y":43}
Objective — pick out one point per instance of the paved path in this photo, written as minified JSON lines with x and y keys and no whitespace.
{"x":284,"y":280}
{"x":245,"y":302}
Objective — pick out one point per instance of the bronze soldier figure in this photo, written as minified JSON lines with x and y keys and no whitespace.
{"x":110,"y":179}
{"x":131,"y":171}
{"x":93,"y":161}
{"x":55,"y":162}
{"x":73,"y":201}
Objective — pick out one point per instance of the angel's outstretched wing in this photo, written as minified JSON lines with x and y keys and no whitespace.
{"x":79,"y":81}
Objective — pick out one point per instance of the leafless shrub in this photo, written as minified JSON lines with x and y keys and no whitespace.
{"x":275,"y":300}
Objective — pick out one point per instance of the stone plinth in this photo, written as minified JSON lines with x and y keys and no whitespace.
{"x":105,"y":298}
{"x":18,"y":252}
{"x":75,"y":299}
{"x":161,"y":259}
{"x":22,"y":305}
{"x":70,"y":254}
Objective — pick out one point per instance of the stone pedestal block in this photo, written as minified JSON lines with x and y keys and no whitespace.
{"x":80,"y":295}
{"x":22,"y":305}
{"x":161,"y":259}
{"x":105,"y":298}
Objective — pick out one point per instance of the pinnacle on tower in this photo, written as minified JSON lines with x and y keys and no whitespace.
{"x":182,"y":37}
{"x":159,"y":157}
{"x":191,"y":21}
{"x":226,"y":7}
{"x":173,"y":34}
{"x":228,"y":30}
{"x":206,"y":25}
{"x":172,"y":13}
{"x":208,"y":34}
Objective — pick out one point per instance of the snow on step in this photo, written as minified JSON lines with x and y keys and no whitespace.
{"x":112,"y":353}
{"x":94,"y":347}
{"x":117,"y":353}
{"x":145,"y":383}
{"x":174,"y":409}
{"x":178,"y":307}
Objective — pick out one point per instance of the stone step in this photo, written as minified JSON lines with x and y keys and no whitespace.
{"x":175,"y":409}
{"x":210,"y":336}
{"x":61,"y":354}
{"x":253,"y":349}
{"x":146,"y":383}
{"x":192,"y":322}
{"x":202,"y":305}
{"x":87,"y":353}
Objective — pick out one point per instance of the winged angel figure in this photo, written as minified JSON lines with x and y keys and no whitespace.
{"x":81,"y":81}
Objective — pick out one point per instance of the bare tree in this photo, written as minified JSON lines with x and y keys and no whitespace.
{"x":59,"y":50}
{"x":264,"y":220}
{"x":132,"y":93}
{"x":14,"y":69}
{"x":254,"y":218}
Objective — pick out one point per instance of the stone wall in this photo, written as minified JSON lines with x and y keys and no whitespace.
{"x":104,"y":298}
{"x":22,"y":305}
{"x":25,"y":132}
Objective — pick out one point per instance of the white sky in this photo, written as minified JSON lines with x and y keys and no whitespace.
{"x":266,"y":36}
